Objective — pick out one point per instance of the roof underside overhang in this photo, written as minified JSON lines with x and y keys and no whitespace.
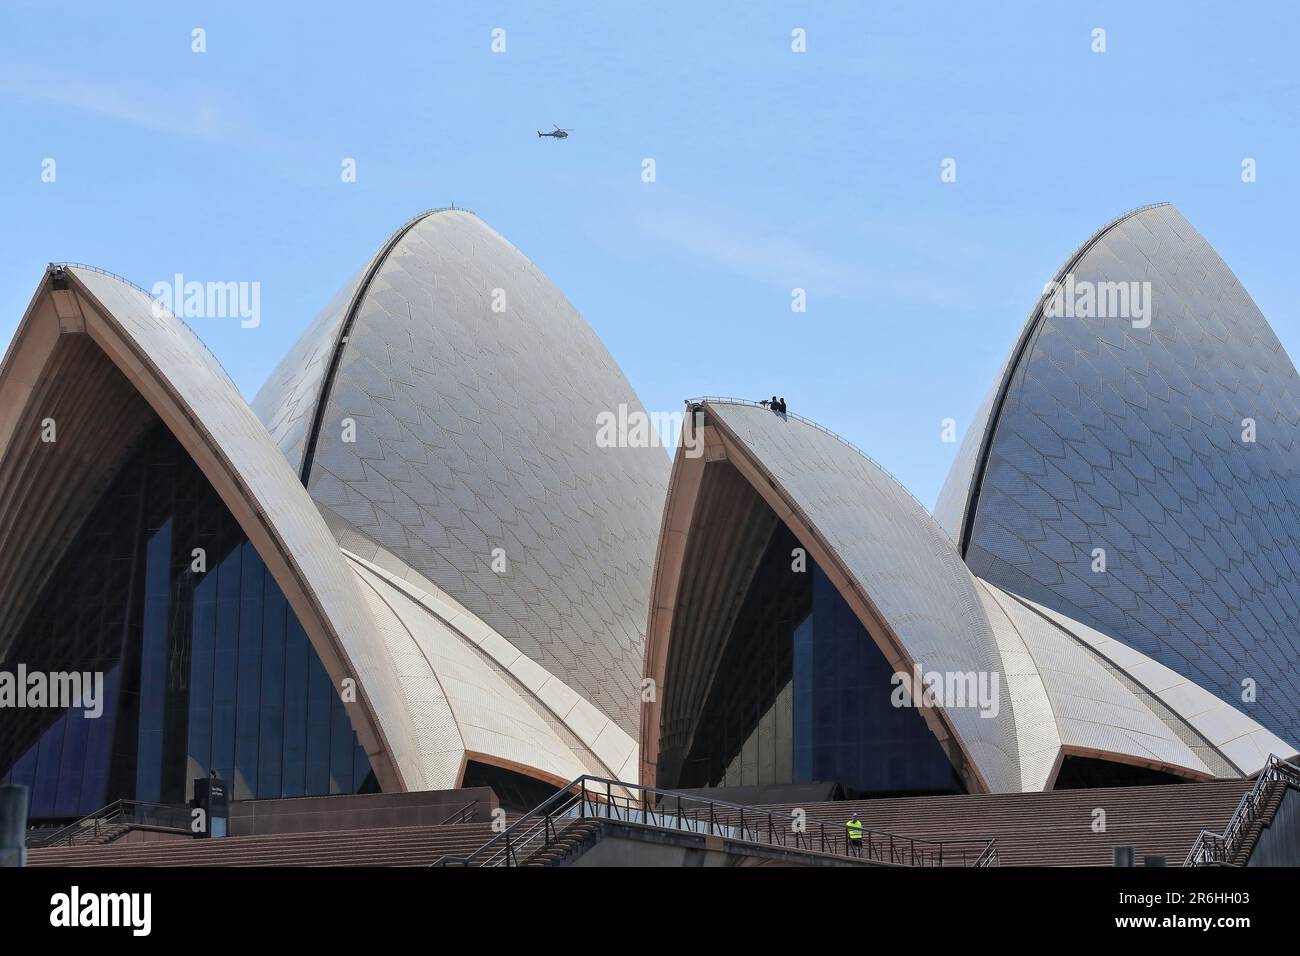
{"x":94,"y":355}
{"x":1067,"y":692}
{"x":723,"y":509}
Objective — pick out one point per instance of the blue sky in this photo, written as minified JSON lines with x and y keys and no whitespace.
{"x":775,"y":170}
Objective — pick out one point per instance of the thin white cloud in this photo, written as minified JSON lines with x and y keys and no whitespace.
{"x":783,"y":255}
{"x":754,"y":249}
{"x":194,"y":116}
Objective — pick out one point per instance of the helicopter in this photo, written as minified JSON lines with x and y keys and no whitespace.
{"x":557,"y":133}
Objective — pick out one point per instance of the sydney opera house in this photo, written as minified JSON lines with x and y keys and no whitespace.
{"x":407,"y":566}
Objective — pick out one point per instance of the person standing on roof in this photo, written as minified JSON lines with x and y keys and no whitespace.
{"x":854,"y":826}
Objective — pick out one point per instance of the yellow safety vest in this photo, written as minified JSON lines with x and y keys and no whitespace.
{"x":855,"y":830}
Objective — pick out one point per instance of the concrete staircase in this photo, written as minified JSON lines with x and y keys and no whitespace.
{"x":1054,"y":828}
{"x":575,"y":838}
{"x":1031,"y":829}
{"x":1250,"y":836}
{"x":392,"y":846}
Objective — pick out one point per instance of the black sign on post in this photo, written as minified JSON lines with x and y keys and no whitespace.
{"x":210,"y":796}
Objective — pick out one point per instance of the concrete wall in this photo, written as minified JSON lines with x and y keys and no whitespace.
{"x":1279,"y":842}
{"x":356,"y":812}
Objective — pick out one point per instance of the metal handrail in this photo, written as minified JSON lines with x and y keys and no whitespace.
{"x":462,"y":814}
{"x":57,"y":836}
{"x":1219,"y":849}
{"x":107,"y":817}
{"x":602,"y":798}
{"x":728,"y":400}
{"x":989,"y":857}
{"x":152,"y":299}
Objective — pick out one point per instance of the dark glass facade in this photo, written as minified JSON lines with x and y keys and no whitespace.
{"x":204,"y":666}
{"x":516,"y":791}
{"x":802,"y":694}
{"x":1089,"y":773}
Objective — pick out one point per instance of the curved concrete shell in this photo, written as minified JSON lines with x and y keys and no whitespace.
{"x":1092,"y":713}
{"x":444,"y":408}
{"x":1067,"y":692}
{"x":951,"y":509}
{"x":883,"y":552}
{"x":1161,"y":440}
{"x":432,"y":677}
{"x":1226,"y":740}
{"x":98,"y":354}
{"x":289,"y":401}
{"x":588,"y":737}
{"x":431,"y":494}
{"x":463,"y":708}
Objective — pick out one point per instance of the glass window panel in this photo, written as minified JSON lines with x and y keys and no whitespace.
{"x":202,"y":669}
{"x":48,"y":754}
{"x":24,"y":770}
{"x":320,"y":698}
{"x":153,"y":664}
{"x":362,"y":778}
{"x":225,"y":680}
{"x":99,"y":748}
{"x":342,"y":743}
{"x":205,"y":668}
{"x":72,"y":762}
{"x":297,"y":665}
{"x":271,"y":716}
{"x":244,"y":785}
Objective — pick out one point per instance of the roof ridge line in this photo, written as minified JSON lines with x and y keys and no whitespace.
{"x":1018,"y":351}
{"x":724,"y":400}
{"x":345,"y":329}
{"x":51,"y":267}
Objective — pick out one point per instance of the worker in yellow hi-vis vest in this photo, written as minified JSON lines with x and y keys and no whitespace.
{"x":854,"y":826}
